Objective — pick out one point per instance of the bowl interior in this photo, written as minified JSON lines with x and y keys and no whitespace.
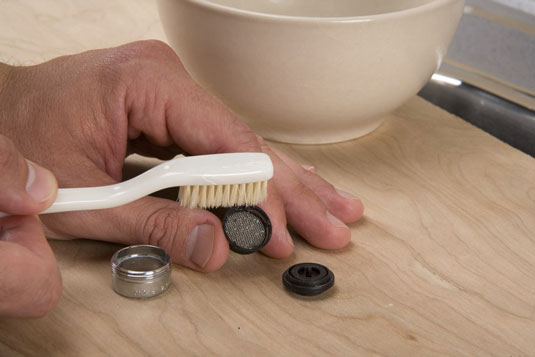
{"x":321,"y":8}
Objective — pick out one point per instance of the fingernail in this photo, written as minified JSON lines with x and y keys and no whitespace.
{"x":309,"y":168}
{"x":200,"y":244}
{"x":335,"y":221}
{"x":346,"y":195}
{"x":41,"y":185}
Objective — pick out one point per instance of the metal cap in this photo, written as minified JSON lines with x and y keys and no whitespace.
{"x":140,"y":271}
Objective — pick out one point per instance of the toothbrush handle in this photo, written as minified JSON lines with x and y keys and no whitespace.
{"x":90,"y":198}
{"x":101,"y":197}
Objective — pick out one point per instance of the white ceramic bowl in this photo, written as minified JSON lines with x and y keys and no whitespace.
{"x":311,"y":71}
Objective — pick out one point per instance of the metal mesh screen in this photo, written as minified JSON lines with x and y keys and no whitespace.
{"x":247,"y":229}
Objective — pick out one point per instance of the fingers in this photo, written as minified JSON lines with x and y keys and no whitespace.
{"x":341,"y":204}
{"x":204,"y":125}
{"x":281,"y":244}
{"x":30,"y":282}
{"x":305,"y":211}
{"x":193,"y":238}
{"x":166,"y":106}
{"x":25,"y":188}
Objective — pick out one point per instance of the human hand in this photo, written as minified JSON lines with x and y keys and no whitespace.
{"x":79,"y":116}
{"x":30,"y":282}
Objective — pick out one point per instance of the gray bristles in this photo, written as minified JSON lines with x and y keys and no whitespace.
{"x":212,"y":196}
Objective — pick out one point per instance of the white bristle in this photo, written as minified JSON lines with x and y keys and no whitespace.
{"x":211,"y":196}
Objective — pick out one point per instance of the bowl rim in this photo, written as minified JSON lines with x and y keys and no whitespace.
{"x":208,"y":4}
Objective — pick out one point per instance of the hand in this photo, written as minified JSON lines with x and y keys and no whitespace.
{"x":30,"y":282}
{"x":79,"y":116}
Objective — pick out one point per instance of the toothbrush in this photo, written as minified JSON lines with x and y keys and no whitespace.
{"x":207,"y":181}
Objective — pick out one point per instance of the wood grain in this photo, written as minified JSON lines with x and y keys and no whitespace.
{"x":442,"y":264}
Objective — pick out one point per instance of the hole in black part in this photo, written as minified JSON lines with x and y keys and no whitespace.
{"x":308,"y":272}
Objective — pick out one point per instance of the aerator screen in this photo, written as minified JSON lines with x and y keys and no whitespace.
{"x":247,"y":228}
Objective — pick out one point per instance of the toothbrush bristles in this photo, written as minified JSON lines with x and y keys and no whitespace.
{"x":213,"y":196}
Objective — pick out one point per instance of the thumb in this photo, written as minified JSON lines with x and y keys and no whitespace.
{"x":25,"y":187}
{"x":192,"y":237}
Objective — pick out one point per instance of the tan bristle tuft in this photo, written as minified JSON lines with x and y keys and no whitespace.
{"x":212,"y":196}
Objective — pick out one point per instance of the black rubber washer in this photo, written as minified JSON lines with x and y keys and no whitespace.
{"x":308,"y":279}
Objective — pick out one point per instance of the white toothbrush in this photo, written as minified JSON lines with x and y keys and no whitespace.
{"x":219,"y":180}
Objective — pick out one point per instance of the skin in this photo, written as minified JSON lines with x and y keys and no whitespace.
{"x":80,"y":116}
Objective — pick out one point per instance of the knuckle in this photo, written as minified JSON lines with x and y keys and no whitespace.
{"x":163,"y":228}
{"x":161,"y":48}
{"x":247,"y":140}
{"x":319,"y":183}
{"x":301,"y":192}
{"x":152,"y":49}
{"x":244,"y":139}
{"x":239,"y":137}
{"x":124,"y":62}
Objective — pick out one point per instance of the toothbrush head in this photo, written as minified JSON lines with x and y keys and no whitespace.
{"x":226,"y":180}
{"x":213,"y":196}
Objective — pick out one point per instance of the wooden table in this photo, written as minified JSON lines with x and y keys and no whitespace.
{"x":442,"y":264}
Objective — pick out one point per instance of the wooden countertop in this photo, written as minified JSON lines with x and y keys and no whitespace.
{"x":442,"y":264}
